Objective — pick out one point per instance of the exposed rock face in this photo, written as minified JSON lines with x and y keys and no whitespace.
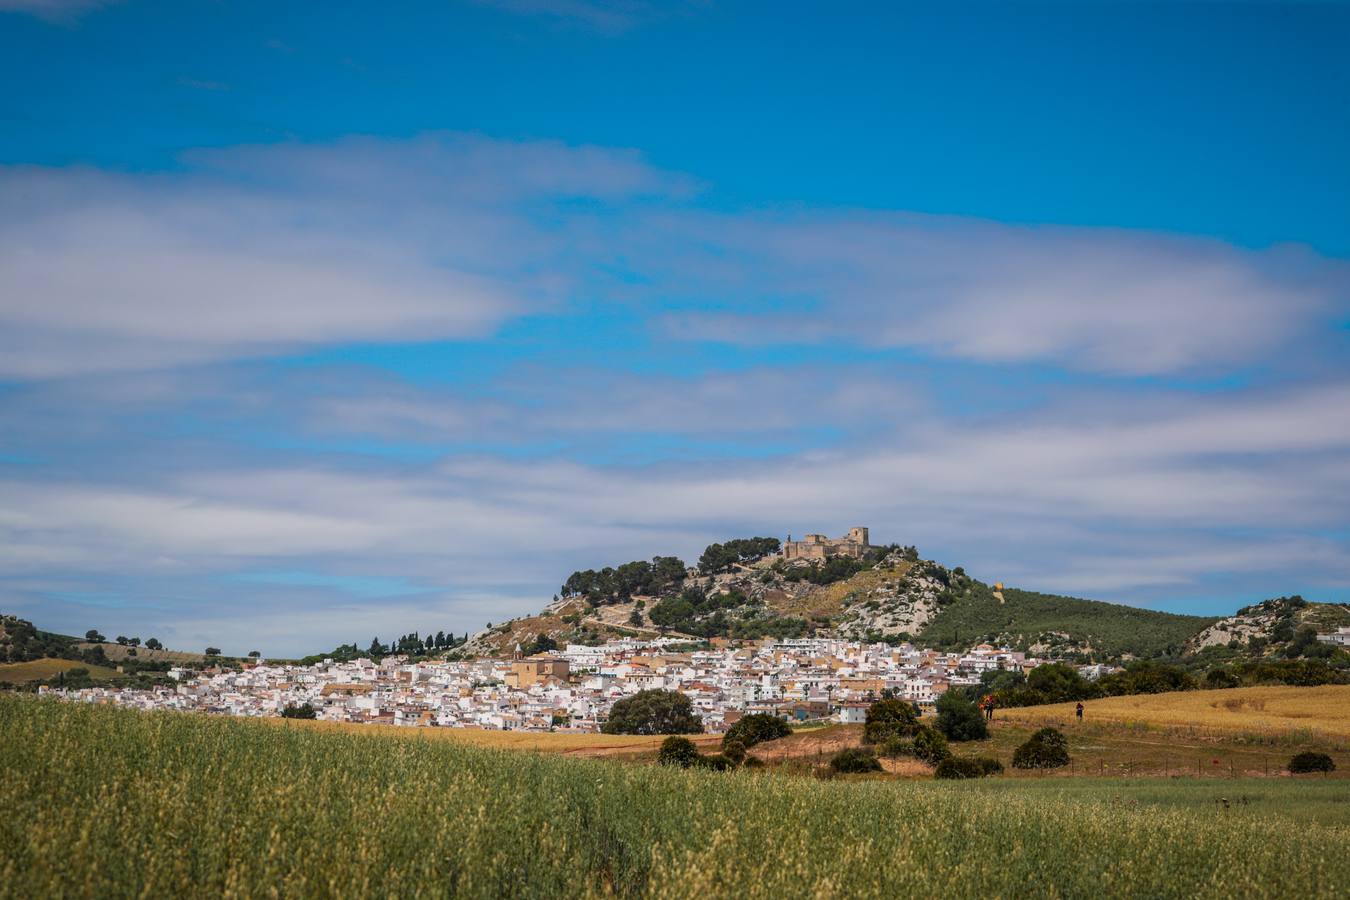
{"x":1241,"y":628}
{"x":903,"y":601}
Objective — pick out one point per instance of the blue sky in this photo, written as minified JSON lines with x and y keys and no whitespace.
{"x":321,"y":323}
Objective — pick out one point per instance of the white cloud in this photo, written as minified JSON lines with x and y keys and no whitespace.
{"x":1096,"y":300}
{"x":268,"y":250}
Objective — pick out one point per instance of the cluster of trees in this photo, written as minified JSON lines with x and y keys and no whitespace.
{"x":893,"y":728}
{"x":750,"y":730}
{"x":1060,"y":683}
{"x":694,"y":612}
{"x":414,"y":645}
{"x":619,"y":585}
{"x":301,"y":711}
{"x":21,"y":641}
{"x":408,"y":645}
{"x":721,"y":557}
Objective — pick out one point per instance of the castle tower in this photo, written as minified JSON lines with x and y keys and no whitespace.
{"x":858,"y":535}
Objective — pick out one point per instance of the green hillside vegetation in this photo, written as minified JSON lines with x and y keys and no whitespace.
{"x":195,"y":806}
{"x":1069,"y":625}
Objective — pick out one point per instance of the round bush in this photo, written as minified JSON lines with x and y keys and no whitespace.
{"x":1311,"y":762}
{"x":967,"y":767}
{"x":734,"y":751}
{"x":855,"y":759}
{"x":716,"y":761}
{"x":1046,"y":749}
{"x":890,"y":718}
{"x":756,"y":728}
{"x":960,"y":719}
{"x":677,"y":751}
{"x":930,"y":746}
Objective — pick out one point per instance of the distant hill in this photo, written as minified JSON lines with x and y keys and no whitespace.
{"x":1056,"y":624}
{"x":744,"y":589}
{"x":43,"y":669}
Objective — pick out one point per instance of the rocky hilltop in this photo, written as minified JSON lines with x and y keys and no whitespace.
{"x":756,"y":587}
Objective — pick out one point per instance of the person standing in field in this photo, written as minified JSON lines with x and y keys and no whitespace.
{"x":1079,"y":711}
{"x":988,"y":704}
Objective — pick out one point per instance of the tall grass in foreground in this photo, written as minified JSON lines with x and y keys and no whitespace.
{"x":100,"y":802}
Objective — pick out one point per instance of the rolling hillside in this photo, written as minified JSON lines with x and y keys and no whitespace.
{"x":1052,"y":623}
{"x":890,"y":595}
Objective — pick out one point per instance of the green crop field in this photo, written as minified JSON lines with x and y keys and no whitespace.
{"x":102,"y":802}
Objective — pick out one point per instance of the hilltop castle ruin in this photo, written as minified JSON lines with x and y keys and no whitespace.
{"x":818,"y":546}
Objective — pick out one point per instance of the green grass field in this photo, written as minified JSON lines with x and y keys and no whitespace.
{"x":102,"y":802}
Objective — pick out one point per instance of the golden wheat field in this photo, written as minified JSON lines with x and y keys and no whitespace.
{"x":571,"y":744}
{"x":1323,"y":710}
{"x":34,"y":670}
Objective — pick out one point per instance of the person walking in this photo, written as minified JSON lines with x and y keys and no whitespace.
{"x":1079,"y":711}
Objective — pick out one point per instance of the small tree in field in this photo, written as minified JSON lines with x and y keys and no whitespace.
{"x":756,"y":728}
{"x":930,"y":746}
{"x":302,"y":711}
{"x":855,"y":760}
{"x":1311,"y":762}
{"x":888,"y":719}
{"x":959,"y":719}
{"x":1046,"y":749}
{"x":677,"y":751}
{"x":654,"y":712}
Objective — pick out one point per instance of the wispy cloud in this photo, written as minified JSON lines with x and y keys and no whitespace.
{"x":267,"y":250}
{"x":1094,"y":299}
{"x":61,"y":12}
{"x":611,"y":16}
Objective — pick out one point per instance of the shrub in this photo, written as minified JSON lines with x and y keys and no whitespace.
{"x":930,"y":746}
{"x":1046,"y":749}
{"x":303,"y":711}
{"x":1221,"y":678}
{"x":752,"y":762}
{"x":734,"y":751}
{"x":1311,"y":762}
{"x":715,"y":761}
{"x":677,"y":751}
{"x":959,"y":719}
{"x":888,"y":719}
{"x":654,"y":712}
{"x":897,"y":746}
{"x":853,"y":760}
{"x":756,"y":728}
{"x":967,"y":767}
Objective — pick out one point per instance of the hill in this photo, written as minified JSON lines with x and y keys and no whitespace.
{"x":43,"y":669}
{"x":746,"y":589}
{"x":1059,"y":626}
{"x":200,"y":806}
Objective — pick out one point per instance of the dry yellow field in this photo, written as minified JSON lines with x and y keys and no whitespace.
{"x":33,"y":670}
{"x":572,"y":744}
{"x":1324,"y":710}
